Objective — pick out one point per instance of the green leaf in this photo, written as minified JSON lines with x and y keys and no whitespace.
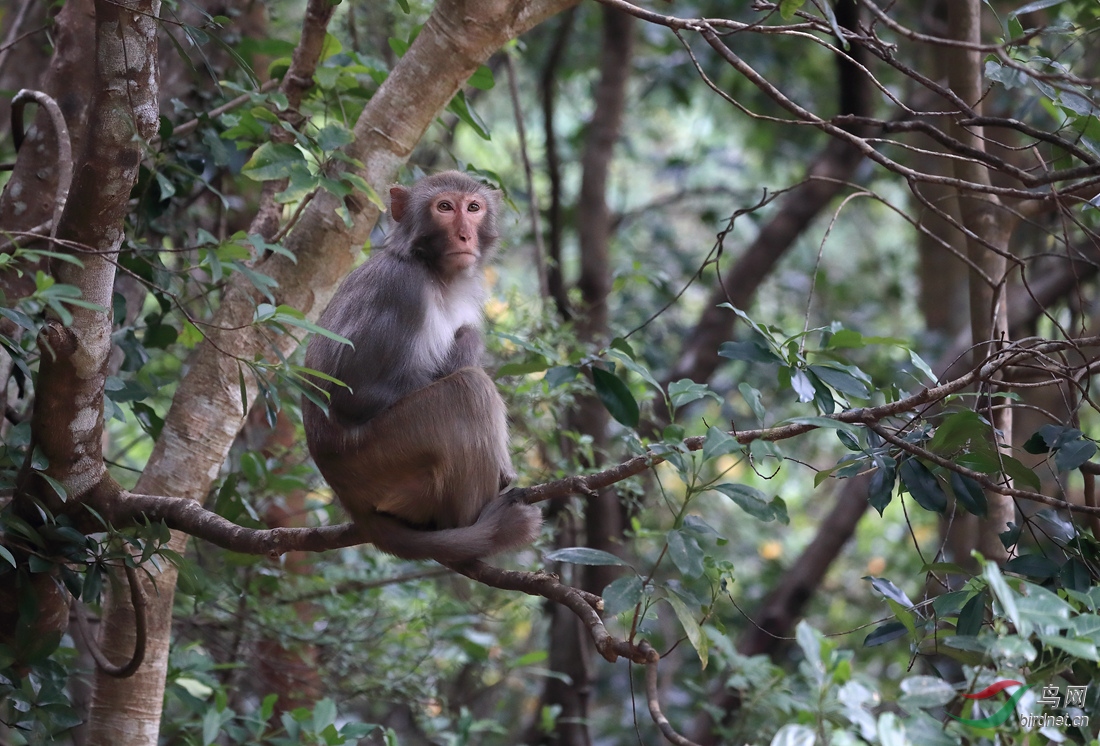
{"x":697,"y":525}
{"x":956,"y":430}
{"x":586,"y":556}
{"x":844,"y":381}
{"x":969,"y":494}
{"x":972,"y":615}
{"x":273,"y":161}
{"x":7,"y":556}
{"x":1021,"y":474}
{"x":719,"y":443}
{"x":752,"y":398}
{"x":211,"y":726}
{"x":751,"y":352}
{"x":561,"y":374}
{"x":923,"y":485}
{"x":754,"y":502}
{"x":461,"y":108}
{"x":1074,"y":575}
{"x":849,"y":441}
{"x":685,"y":553}
{"x":1036,"y":444}
{"x":889,"y":590}
{"x":823,"y":395}
{"x":925,"y":691}
{"x":884,"y":634}
{"x":1033,"y":566}
{"x":787,"y":8}
{"x":686,"y":391}
{"x":695,"y":633}
{"x":919,"y":364}
{"x":1005,"y":596}
{"x":18,"y":317}
{"x":622,"y":594}
{"x":949,"y":603}
{"x":361,"y":184}
{"x":1034,"y":6}
{"x":1073,"y":455}
{"x":147,"y":417}
{"x":984,"y":461}
{"x":616,"y":396}
{"x":534,"y":364}
{"x":1078,"y":648}
{"x":880,"y":491}
{"x":624,"y":356}
{"x":324,"y":714}
{"x":482,"y":79}
{"x":333,"y":136}
{"x":59,"y":488}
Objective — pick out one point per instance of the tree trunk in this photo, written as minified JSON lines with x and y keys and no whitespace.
{"x":206,"y":412}
{"x":989,"y":228}
{"x":570,"y":653}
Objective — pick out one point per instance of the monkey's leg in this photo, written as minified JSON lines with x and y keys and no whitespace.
{"x":436,"y":454}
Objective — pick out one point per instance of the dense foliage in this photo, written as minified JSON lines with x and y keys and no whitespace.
{"x":847,"y":375}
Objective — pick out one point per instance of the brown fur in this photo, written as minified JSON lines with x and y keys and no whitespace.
{"x":417,"y":449}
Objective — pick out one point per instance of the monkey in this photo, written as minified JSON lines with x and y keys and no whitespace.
{"x":415,"y":443}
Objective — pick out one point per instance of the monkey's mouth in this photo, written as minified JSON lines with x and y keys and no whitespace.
{"x":462,"y":257}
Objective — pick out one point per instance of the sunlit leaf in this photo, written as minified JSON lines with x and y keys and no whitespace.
{"x":695,"y":634}
{"x":586,"y":556}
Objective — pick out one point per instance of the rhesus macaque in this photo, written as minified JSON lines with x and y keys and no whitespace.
{"x":416,"y":446}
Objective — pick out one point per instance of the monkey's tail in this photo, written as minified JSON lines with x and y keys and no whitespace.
{"x":504,"y":524}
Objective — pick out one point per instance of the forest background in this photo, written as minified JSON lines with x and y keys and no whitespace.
{"x":794,"y":316}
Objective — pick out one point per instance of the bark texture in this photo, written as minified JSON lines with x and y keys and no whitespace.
{"x":207,"y":410}
{"x":67,"y":424}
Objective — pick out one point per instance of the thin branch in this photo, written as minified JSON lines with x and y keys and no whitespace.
{"x":533,"y":197}
{"x":13,"y":32}
{"x":123,"y":508}
{"x":653,"y":699}
{"x":190,"y":126}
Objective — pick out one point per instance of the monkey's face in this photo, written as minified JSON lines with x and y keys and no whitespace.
{"x":457,"y":217}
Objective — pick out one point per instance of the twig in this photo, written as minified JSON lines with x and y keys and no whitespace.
{"x":13,"y":32}
{"x":124,"y":508}
{"x":533,"y":198}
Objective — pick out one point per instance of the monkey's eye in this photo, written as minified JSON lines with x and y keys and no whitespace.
{"x":444,"y":206}
{"x":473,"y":207}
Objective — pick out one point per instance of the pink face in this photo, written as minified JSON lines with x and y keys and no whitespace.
{"x":459,"y":214}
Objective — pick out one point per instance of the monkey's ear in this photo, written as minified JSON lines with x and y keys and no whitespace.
{"x":399,"y":199}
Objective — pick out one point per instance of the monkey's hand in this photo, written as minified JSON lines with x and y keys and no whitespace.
{"x":467,"y":350}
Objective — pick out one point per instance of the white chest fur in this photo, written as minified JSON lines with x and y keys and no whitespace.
{"x":447,"y":308}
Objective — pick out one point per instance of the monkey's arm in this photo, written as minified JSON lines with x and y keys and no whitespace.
{"x":380,"y":308}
